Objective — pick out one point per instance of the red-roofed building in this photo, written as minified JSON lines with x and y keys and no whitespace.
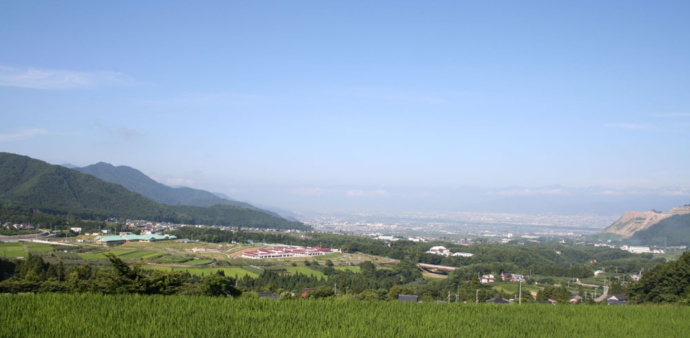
{"x":286,"y":252}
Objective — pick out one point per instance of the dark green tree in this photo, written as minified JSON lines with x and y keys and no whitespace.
{"x":215,"y":285}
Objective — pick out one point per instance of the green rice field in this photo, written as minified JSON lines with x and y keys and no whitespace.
{"x":354,"y":269}
{"x":229,"y":272}
{"x":14,"y":250}
{"x":305,"y":271}
{"x":123,"y":254}
{"x":196,"y":262}
{"x":93,"y":315}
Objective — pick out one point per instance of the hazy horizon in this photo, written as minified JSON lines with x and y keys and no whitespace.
{"x":546,"y":200}
{"x":357,"y":105}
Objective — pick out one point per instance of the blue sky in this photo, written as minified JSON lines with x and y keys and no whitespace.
{"x":278,"y":98}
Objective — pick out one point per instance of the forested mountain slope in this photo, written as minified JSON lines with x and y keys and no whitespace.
{"x":138,"y":182}
{"x":29,"y":186}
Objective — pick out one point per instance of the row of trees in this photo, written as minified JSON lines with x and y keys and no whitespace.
{"x":372,"y":283}
{"x":667,"y":283}
{"x":35,"y":275}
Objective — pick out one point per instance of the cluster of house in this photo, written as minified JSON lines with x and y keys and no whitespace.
{"x":512,"y":277}
{"x":121,"y":239}
{"x":389,"y":238}
{"x":287,"y":252}
{"x":442,"y":251}
{"x":10,"y":226}
{"x":618,"y":299}
{"x":635,"y":277}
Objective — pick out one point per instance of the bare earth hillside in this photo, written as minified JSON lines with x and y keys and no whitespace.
{"x":634,"y":221}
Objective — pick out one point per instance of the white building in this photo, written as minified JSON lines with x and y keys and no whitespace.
{"x":462,"y":254}
{"x":287,"y":252}
{"x":442,"y":251}
{"x":636,"y":249}
{"x":439,"y":250}
{"x":387,"y":238}
{"x":490,"y":278}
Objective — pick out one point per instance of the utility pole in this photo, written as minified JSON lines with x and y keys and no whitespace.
{"x":520,"y":294}
{"x":477,"y":297}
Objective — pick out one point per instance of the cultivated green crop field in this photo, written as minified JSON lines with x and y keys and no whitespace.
{"x":196,"y":262}
{"x":354,"y":269}
{"x":14,"y":250}
{"x":123,"y":254}
{"x":229,"y":272}
{"x":92,"y":315}
{"x":305,"y":271}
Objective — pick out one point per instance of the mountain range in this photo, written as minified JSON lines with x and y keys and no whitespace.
{"x":29,"y":186}
{"x":138,"y":182}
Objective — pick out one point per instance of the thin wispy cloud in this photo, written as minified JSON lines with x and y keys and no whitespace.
{"x":340,"y":192}
{"x":395,"y":95}
{"x":630,"y":126}
{"x":609,"y":193}
{"x":23,"y":134}
{"x":122,"y":132}
{"x":674,"y":115}
{"x":175,"y":181}
{"x":51,"y":79}
{"x":676,"y":191}
{"x":205,"y":100}
{"x":367,"y":193}
{"x":528,"y":192}
{"x":311,"y":191}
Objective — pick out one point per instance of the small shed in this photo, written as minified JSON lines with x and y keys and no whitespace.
{"x":269,"y":295}
{"x":498,"y":300}
{"x":407,"y":298}
{"x":617,"y":299}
